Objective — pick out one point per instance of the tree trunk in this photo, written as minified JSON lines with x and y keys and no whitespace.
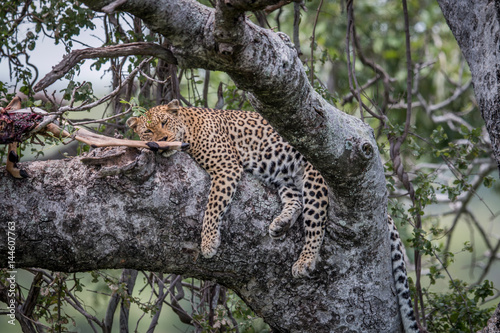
{"x":476,"y":26}
{"x":70,"y":216}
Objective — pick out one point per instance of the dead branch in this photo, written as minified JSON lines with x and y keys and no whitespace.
{"x":70,"y":60}
{"x":96,"y":140}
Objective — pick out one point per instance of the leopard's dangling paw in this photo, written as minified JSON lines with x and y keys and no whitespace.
{"x":303,"y":267}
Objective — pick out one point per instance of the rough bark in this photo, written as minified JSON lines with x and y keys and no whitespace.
{"x":70,"y":216}
{"x":493,"y":325}
{"x":476,"y":27}
{"x":81,"y":222}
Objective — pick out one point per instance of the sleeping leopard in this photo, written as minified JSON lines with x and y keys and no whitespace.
{"x":227,"y":142}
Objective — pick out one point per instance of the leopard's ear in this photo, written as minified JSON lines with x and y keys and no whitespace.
{"x":132,"y":122}
{"x":173,"y":107}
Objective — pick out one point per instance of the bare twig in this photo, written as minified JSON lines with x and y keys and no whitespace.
{"x":53,"y":116}
{"x":318,"y":10}
{"x":99,"y":121}
{"x":379,"y":70}
{"x":409,"y":71}
{"x":296,"y":21}
{"x":349,"y":97}
{"x":205,"y":88}
{"x":351,"y":34}
{"x":153,"y":79}
{"x":271,"y":8}
{"x":491,"y":259}
{"x":458,"y":92}
{"x":464,"y":297}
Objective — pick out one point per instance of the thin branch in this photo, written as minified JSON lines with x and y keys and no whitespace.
{"x":205,"y":88}
{"x":99,"y":121}
{"x":434,"y":107}
{"x":269,"y":9}
{"x":153,"y":79}
{"x":491,"y":259}
{"x":409,"y":71}
{"x":159,"y":305}
{"x":296,"y":31}
{"x":73,"y":301}
{"x":351,"y":33}
{"x":349,"y":97}
{"x":464,"y":297}
{"x":313,"y":41}
{"x":22,"y":15}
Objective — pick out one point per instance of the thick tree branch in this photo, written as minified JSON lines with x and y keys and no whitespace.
{"x":476,"y":26}
{"x":69,"y":218}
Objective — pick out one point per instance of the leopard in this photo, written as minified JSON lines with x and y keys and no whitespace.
{"x":226,"y":143}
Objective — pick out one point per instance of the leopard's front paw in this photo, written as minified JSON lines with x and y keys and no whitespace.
{"x":279,"y":227}
{"x":303,"y":267}
{"x":209,"y":246}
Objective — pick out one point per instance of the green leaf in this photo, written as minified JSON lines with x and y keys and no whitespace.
{"x":488,"y":181}
{"x":25,"y":90}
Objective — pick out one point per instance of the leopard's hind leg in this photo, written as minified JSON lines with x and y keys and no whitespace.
{"x":292,"y":207}
{"x":315,"y":199}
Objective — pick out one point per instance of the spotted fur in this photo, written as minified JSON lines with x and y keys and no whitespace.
{"x":401,"y":280}
{"x":227,"y":142}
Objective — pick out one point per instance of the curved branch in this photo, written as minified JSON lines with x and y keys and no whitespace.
{"x":70,"y":60}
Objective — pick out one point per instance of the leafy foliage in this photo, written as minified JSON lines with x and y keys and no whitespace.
{"x":460,"y":310}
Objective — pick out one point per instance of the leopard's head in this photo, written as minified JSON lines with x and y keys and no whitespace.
{"x":160,"y":123}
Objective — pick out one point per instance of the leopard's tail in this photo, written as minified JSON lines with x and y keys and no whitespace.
{"x":401,"y":280}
